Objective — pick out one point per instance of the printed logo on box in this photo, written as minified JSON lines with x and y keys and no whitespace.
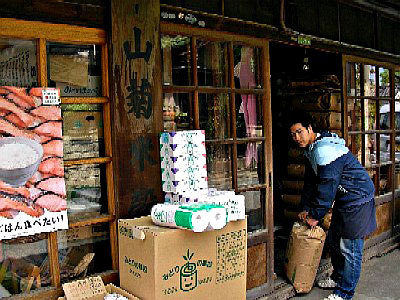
{"x":188,"y":274}
{"x":51,"y":96}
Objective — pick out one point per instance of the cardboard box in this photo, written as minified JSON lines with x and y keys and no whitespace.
{"x":303,"y":254}
{"x":83,"y":125}
{"x":157,"y":263}
{"x":92,"y":288}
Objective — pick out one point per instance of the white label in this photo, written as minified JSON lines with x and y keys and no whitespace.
{"x":51,"y":96}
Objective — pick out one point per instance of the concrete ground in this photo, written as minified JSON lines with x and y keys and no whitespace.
{"x":380,"y":280}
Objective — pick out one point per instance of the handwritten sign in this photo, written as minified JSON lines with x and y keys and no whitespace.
{"x":23,"y":226}
{"x":18,"y":66}
{"x":84,"y":289}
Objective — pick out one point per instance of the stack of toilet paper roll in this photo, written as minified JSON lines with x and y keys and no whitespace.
{"x":195,"y":217}
{"x":234,"y":204}
{"x":183,"y":161}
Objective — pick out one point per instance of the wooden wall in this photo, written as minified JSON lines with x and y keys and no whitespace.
{"x":89,"y":13}
{"x":256,"y":266}
{"x":331,"y":19}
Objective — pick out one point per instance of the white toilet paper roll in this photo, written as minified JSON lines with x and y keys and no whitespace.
{"x":164,"y":214}
{"x":173,"y":215}
{"x":199,"y":220}
{"x":218,"y":218}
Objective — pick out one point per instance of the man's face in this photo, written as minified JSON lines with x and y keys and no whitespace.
{"x":301,"y":135}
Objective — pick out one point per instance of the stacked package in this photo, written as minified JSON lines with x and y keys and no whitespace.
{"x":195,"y":217}
{"x":189,"y":204}
{"x":183,"y":161}
{"x":234,"y":204}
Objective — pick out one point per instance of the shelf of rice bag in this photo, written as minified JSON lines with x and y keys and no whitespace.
{"x":66,"y":238}
{"x":83,"y":207}
{"x":15,"y":251}
{"x":82,"y":133}
{"x":80,"y":236}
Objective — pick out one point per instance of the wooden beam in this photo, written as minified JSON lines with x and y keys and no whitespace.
{"x":13,"y":28}
{"x":136,"y":104}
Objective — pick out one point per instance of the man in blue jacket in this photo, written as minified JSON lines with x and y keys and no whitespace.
{"x":335,"y":179}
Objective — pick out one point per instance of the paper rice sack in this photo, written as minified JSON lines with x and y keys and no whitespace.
{"x":303,"y":254}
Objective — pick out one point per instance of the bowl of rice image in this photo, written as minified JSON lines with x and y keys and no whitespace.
{"x":19,"y":159}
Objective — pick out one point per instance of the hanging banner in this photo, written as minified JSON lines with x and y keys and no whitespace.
{"x":32,"y":185}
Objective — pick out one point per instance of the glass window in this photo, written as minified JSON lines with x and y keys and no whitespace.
{"x":384,"y":179}
{"x":86,"y":195}
{"x":214,"y":116}
{"x":247,"y":67}
{"x":24,"y":259}
{"x":254,"y":208}
{"x":384,"y":82}
{"x":370,"y":128}
{"x":353,"y":79}
{"x":369,"y":81}
{"x":83,"y":251}
{"x":18,"y":63}
{"x":354,"y":142}
{"x":225,"y":100}
{"x":219,"y":166}
{"x":74,"y":69}
{"x":176,"y":59}
{"x":384,"y":115}
{"x":370,"y":150}
{"x":384,"y":147}
{"x":370,"y":114}
{"x":83,"y":131}
{"x":212,"y":63}
{"x":177,"y":111}
{"x":354,"y":111}
{"x":249,"y":116}
{"x":250,"y":168}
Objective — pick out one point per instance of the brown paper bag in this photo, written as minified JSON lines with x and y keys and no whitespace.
{"x":303,"y":254}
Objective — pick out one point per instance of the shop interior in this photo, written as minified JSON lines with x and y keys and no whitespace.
{"x":301,"y":79}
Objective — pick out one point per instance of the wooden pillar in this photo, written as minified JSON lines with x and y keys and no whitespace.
{"x":136,"y":104}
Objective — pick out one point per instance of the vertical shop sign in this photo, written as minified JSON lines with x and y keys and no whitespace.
{"x":138,"y":41}
{"x":139,"y":98}
{"x":140,"y":150}
{"x":137,"y":117}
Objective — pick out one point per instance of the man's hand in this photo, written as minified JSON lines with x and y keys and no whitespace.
{"x":303,"y":215}
{"x":312,"y":222}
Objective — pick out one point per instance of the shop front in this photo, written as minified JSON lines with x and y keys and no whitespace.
{"x":143,"y":68}
{"x":76,"y":165}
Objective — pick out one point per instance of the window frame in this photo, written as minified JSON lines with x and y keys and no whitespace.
{"x":265,"y":234}
{"x":41,"y":33}
{"x":389,"y":196}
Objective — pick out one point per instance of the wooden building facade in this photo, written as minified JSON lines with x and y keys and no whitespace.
{"x":232,"y":68}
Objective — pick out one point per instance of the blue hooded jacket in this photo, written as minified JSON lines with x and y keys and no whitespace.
{"x":333,"y":174}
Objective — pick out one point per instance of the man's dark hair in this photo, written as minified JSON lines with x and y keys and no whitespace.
{"x":301,"y":117}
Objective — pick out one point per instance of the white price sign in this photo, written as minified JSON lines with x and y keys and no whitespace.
{"x":51,"y":96}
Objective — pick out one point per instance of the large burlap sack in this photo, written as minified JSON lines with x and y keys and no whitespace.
{"x":303,"y":254}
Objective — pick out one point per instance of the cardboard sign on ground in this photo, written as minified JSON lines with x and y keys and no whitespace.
{"x":92,"y":288}
{"x":157,"y":263}
{"x":303,"y":254}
